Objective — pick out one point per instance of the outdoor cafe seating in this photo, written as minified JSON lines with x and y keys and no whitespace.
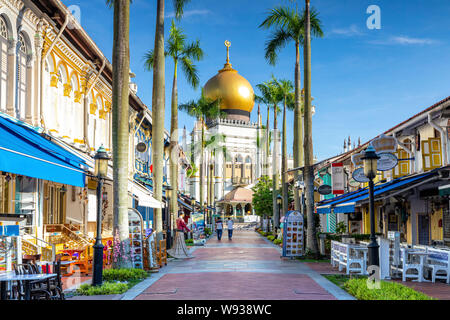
{"x":420,"y":263}
{"x":28,"y":282}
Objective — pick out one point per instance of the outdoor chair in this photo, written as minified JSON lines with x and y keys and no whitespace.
{"x":38,"y":290}
{"x":406,"y":264}
{"x":439,"y":262}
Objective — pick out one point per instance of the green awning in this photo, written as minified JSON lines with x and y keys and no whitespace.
{"x":444,"y":190}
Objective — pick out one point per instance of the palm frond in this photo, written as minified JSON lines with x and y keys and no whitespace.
{"x":190,"y":72}
{"x":276,"y":42}
{"x":279,"y":17}
{"x":193,"y":51}
{"x":179,"y":7}
{"x":149,"y":60}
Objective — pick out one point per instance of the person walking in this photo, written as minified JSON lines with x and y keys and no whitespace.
{"x":219,"y":229}
{"x":230,"y":228}
{"x":179,"y":250}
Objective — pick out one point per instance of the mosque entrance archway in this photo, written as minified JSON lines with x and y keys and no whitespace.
{"x":248,"y":209}
{"x":239,"y":210}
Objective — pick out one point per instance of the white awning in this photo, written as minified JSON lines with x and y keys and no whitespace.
{"x":144,"y":196}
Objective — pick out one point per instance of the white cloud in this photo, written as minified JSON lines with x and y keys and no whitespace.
{"x":405,"y":40}
{"x":353,"y":30}
{"x":189,"y":13}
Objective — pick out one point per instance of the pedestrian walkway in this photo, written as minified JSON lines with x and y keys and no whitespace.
{"x":246,"y":268}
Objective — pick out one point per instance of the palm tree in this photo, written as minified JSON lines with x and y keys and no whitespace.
{"x":213,"y":144}
{"x":158,"y":106}
{"x":202,"y":109}
{"x":286,"y":89}
{"x":311,"y":240}
{"x":289,"y":26}
{"x":184,"y":53}
{"x":271,"y":96}
{"x":120,"y":124}
{"x":267,"y":90}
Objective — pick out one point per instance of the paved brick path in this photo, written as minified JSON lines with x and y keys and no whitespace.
{"x":248,"y":267}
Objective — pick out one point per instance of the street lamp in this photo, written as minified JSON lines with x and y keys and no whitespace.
{"x":279,"y":203}
{"x":205,"y":213}
{"x":101,"y":171}
{"x":370,"y":171}
{"x":169,"y":215}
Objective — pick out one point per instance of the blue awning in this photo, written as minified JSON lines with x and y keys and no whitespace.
{"x":24,"y":151}
{"x":346,"y":203}
{"x":185,"y":204}
{"x":324,"y":206}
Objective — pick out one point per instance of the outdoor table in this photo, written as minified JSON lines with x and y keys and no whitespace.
{"x":72,"y":251}
{"x":43,"y":265}
{"x":26,"y":278}
{"x":422,"y":255}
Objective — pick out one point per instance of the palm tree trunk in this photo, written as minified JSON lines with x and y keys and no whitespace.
{"x":158,"y":113}
{"x":202,"y":163}
{"x":266,"y":160}
{"x":121,"y":79}
{"x":174,"y":151}
{"x":284,"y":165}
{"x":298,"y":125}
{"x":311,"y":241}
{"x":275,"y":177}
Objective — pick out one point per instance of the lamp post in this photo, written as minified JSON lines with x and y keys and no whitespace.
{"x":205,"y":213}
{"x":370,"y":171}
{"x":279,"y":203}
{"x":101,"y":171}
{"x":169,"y":215}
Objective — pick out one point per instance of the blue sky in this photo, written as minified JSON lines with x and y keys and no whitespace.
{"x":363,"y":81}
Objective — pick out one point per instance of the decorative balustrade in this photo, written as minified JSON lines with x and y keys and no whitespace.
{"x":71,"y":237}
{"x":45,"y":249}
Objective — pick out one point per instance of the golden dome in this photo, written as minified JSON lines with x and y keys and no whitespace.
{"x":235,"y":91}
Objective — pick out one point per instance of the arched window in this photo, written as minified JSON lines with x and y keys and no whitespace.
{"x":100,"y":118}
{"x":76,"y":111}
{"x":91,"y":119}
{"x":62,"y":101}
{"x":3,"y":63}
{"x":21,"y":77}
{"x":49,"y":94}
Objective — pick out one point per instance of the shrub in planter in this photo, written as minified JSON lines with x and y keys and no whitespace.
{"x":277,"y":241}
{"x":270,"y":238}
{"x":105,"y":289}
{"x":208,"y":232}
{"x":124,"y":274}
{"x":388,"y":291}
{"x":189,"y":241}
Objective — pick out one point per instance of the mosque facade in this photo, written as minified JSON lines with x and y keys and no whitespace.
{"x":235,"y":156}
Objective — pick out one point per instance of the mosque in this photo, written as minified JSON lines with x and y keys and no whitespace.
{"x":235,"y":157}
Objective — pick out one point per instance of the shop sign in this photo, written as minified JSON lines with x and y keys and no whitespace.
{"x":198,"y":222}
{"x":293,"y":234}
{"x":141,"y":147}
{"x":357,"y":159}
{"x":387,"y":161}
{"x":337,"y":178}
{"x":324,"y":189}
{"x":135,"y":223}
{"x":353,"y":183}
{"x":385,"y":144}
{"x":359,"y":176}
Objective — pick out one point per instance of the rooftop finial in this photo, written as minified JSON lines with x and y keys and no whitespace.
{"x":227,"y":65}
{"x":228,"y":45}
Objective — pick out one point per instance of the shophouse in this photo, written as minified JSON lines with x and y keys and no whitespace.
{"x":412,"y":197}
